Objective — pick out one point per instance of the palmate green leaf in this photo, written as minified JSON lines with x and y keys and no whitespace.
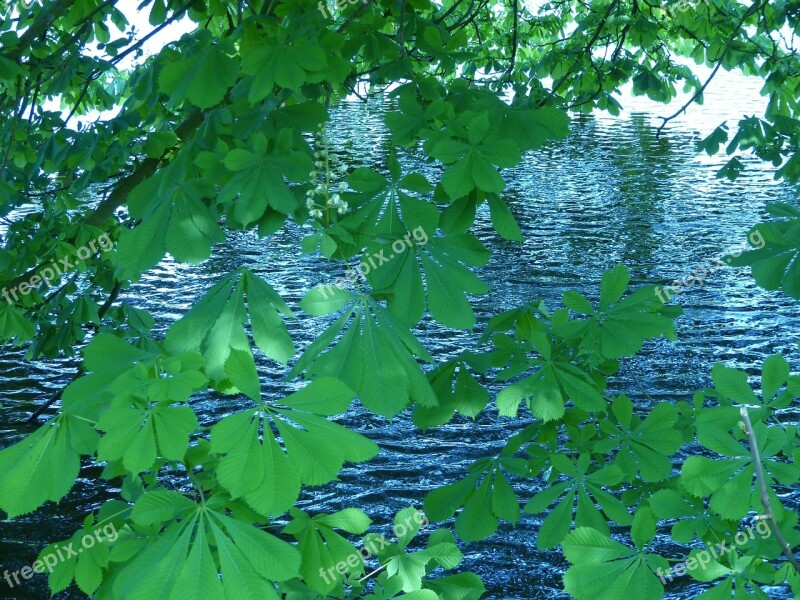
{"x":261,"y":472}
{"x":387,"y":210}
{"x":322,"y":548}
{"x":692,"y":518}
{"x":645,"y":447}
{"x":88,"y":567}
{"x":137,"y":436}
{"x":374,"y":357}
{"x":472,"y":148}
{"x":729,"y":483}
{"x":547,"y":389}
{"x":287,"y":65}
{"x":775,"y":262}
{"x":618,"y":328}
{"x":259,"y":175}
{"x":258,"y":471}
{"x":14,"y":327}
{"x":741,"y":577}
{"x":407,"y":570}
{"x":214,"y":327}
{"x":202,"y":78}
{"x":43,"y":466}
{"x":120,"y":375}
{"x":176,"y":217}
{"x":484,"y":505}
{"x":179,"y":562}
{"x":444,"y":263}
{"x":605,"y":569}
{"x":457,"y":389}
{"x":587,"y":489}
{"x":733,"y":387}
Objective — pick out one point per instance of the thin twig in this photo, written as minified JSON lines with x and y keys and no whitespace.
{"x":696,"y":95}
{"x":762,"y":484}
{"x":514,"y":41}
{"x":587,"y":50}
{"x":368,"y":575}
{"x":755,"y":7}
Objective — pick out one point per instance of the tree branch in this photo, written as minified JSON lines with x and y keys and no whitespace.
{"x":586,"y":49}
{"x":122,"y":188}
{"x":750,"y":11}
{"x":39,"y":27}
{"x":764,"y":490}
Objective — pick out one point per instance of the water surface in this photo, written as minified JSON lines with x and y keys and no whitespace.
{"x":610,"y":193}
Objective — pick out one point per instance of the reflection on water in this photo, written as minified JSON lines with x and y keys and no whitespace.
{"x":610,"y":193}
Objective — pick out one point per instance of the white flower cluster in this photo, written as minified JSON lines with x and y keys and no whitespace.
{"x":326,"y":197}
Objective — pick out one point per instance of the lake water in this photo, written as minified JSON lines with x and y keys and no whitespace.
{"x":610,"y":193}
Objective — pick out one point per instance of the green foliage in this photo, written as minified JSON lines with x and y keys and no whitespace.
{"x":43,"y":466}
{"x":374,"y":356}
{"x":604,"y":568}
{"x":216,"y":133}
{"x":775,"y":263}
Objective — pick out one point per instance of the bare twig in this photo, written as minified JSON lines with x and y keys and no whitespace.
{"x":696,"y":95}
{"x":586,"y":50}
{"x":764,"y":490}
{"x":754,"y":8}
{"x":514,"y":40}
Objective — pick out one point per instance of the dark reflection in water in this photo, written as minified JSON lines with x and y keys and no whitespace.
{"x":610,"y":193}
